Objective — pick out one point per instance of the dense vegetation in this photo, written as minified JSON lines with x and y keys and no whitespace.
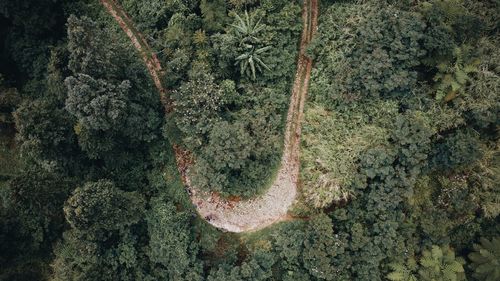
{"x":400,"y":153}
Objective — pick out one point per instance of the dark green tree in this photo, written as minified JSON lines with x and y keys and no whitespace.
{"x":102,"y":206}
{"x":96,"y":104}
{"x":173,"y":250}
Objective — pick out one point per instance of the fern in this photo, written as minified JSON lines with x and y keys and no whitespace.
{"x":486,"y":259}
{"x":452,"y":77}
{"x":440,"y":263}
{"x":403,"y":272}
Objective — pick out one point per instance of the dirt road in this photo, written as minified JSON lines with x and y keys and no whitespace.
{"x":272,"y":206}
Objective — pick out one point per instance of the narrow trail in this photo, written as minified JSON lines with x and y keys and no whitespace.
{"x":271,"y":207}
{"x":148,"y":55}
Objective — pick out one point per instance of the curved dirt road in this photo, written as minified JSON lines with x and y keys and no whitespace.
{"x":272,"y":206}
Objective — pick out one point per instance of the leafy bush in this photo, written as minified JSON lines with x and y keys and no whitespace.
{"x":460,"y":149}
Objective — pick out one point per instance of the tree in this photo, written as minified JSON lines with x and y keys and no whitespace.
{"x":46,"y":134}
{"x":214,"y":14}
{"x":227,"y":152}
{"x":173,"y":250}
{"x":365,"y":62}
{"x":250,"y":61}
{"x":486,"y":259}
{"x":101,"y":110}
{"x":9,"y":100}
{"x":197,"y":104}
{"x":102,"y":243}
{"x":111,"y":256}
{"x":321,"y":247}
{"x":101,"y":205}
{"x":109,"y":92}
{"x":38,"y":195}
{"x":257,"y":268}
{"x":97,"y":104}
{"x":89,"y":52}
{"x":246,"y":31}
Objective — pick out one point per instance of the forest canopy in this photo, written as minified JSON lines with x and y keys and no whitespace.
{"x":399,"y":153}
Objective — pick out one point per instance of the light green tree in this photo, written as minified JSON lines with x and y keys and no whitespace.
{"x":440,"y":263}
{"x":403,"y":272}
{"x":436,"y":264}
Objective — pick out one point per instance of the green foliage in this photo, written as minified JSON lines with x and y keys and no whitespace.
{"x":89,"y":52}
{"x":403,"y":272}
{"x":312,"y":252}
{"x":440,"y":263}
{"x":246,"y":31}
{"x":484,"y":178}
{"x":451,"y":79}
{"x":485,"y":259}
{"x":332,"y":144}
{"x":172,"y":249}
{"x":214,"y":14}
{"x":99,"y":205}
{"x":410,"y":171}
{"x":197,"y":104}
{"x":112,"y":103}
{"x":442,"y":204}
{"x":321,"y":246}
{"x":480,"y":101}
{"x":9,"y":100}
{"x":153,"y":13}
{"x":38,"y":195}
{"x":101,"y":243}
{"x":363,"y":63}
{"x":250,"y":62}
{"x":256,"y":269}
{"x":236,"y":157}
{"x":239,"y":4}
{"x":110,"y":257}
{"x":460,"y":149}
{"x":44,"y":129}
{"x":9,"y":158}
{"x":96,"y":104}
{"x":440,"y":17}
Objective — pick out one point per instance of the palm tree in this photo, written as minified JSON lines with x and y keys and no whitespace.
{"x":250,"y":62}
{"x":247,"y":29}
